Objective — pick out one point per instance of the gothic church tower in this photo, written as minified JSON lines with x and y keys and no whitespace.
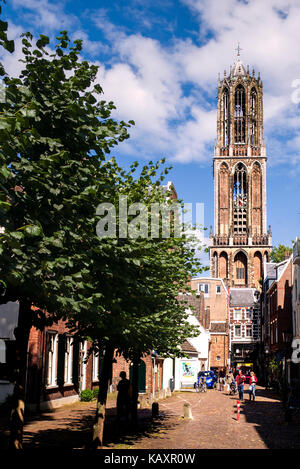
{"x":241,"y":241}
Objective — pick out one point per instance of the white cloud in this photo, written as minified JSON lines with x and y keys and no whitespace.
{"x":45,"y":14}
{"x":170,"y":90}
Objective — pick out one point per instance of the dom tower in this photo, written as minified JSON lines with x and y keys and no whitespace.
{"x":241,"y":240}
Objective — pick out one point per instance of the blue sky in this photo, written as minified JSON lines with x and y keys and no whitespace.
{"x":159,"y":63}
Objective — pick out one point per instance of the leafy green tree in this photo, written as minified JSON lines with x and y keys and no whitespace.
{"x":54,"y":136}
{"x":279,"y":252}
{"x":55,"y":133}
{"x":140,"y":308}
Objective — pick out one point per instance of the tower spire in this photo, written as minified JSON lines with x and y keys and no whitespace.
{"x":238,"y":49}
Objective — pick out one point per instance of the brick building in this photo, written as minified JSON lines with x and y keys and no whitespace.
{"x":216,"y":303}
{"x":244,"y":328}
{"x":240,"y":241}
{"x":58,"y":367}
{"x":278,"y":318}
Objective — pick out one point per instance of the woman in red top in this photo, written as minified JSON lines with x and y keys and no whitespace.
{"x":252,"y":385}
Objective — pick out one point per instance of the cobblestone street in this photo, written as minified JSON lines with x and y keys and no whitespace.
{"x":214,"y":425}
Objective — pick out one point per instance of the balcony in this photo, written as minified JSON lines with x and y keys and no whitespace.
{"x":296,"y":252}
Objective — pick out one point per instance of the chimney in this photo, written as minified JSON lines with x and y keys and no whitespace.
{"x":287,"y":255}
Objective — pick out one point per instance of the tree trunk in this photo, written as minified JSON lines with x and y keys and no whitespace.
{"x":135,"y":388}
{"x":102,"y":396}
{"x":18,"y":402}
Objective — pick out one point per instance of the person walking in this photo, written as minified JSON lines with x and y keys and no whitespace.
{"x":229,"y":380}
{"x":252,"y":385}
{"x":123,"y":398}
{"x":240,"y":381}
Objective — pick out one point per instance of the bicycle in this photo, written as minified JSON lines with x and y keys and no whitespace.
{"x":201,"y":387}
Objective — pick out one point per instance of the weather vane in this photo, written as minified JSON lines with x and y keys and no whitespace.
{"x":238,"y":49}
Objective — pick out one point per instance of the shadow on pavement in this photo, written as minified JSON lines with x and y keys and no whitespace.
{"x":75,"y":431}
{"x":268,"y":418}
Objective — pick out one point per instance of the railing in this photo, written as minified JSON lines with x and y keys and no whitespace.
{"x":224,"y":151}
{"x":255,"y":151}
{"x":239,"y":150}
{"x":220,"y":241}
{"x":239,"y":240}
{"x":258,"y":240}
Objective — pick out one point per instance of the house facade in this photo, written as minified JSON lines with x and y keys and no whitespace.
{"x":216,"y":303}
{"x":181,"y":373}
{"x":244,"y":328}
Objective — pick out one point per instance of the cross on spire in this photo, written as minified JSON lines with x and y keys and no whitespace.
{"x":238,"y":50}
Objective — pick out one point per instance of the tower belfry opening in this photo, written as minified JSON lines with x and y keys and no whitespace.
{"x":240,"y":180}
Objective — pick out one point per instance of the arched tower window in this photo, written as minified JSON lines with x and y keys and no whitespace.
{"x":223,"y":265}
{"x":226,"y":118}
{"x":240,"y":268}
{"x":253,"y":117}
{"x":239,"y":114}
{"x":240,"y":199}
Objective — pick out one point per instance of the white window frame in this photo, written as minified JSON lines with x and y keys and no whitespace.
{"x":52,"y":359}
{"x":238,"y":314}
{"x":248,"y":326}
{"x":218,"y":292}
{"x":202,"y":287}
{"x":95,"y":366}
{"x":83,"y":364}
{"x":68,"y":360}
{"x":235,"y":335}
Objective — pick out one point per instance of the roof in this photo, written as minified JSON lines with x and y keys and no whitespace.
{"x":239,"y":69}
{"x":188,"y":347}
{"x":242,"y":297}
{"x":217,"y":327}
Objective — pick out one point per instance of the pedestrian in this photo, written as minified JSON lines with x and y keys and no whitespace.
{"x":229,"y":380}
{"x":240,"y":381}
{"x":252,"y":385}
{"x":124,"y":396}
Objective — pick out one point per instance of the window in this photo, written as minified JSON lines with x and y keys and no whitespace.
{"x":218,"y":289}
{"x":237,"y":331}
{"x":204,"y":287}
{"x":68,"y":360}
{"x":95,"y":366}
{"x":240,"y":199}
{"x":52,"y":342}
{"x":218,"y":357}
{"x":249,"y":314}
{"x":238,"y":316}
{"x":248,"y":331}
{"x":239,"y":115}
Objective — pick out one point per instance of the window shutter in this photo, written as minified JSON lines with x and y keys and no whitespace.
{"x":61,"y":359}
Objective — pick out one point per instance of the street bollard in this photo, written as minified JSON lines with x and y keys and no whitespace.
{"x":187,"y":411}
{"x":155,"y":409}
{"x":238,"y":410}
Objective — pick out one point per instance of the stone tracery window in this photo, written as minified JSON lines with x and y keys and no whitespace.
{"x":240,"y":199}
{"x":253,"y":117}
{"x":239,"y":114}
{"x":226,"y":118}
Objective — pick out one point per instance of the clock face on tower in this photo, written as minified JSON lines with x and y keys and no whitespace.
{"x":240,"y":240}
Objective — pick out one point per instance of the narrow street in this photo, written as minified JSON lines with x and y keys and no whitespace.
{"x":214,"y":425}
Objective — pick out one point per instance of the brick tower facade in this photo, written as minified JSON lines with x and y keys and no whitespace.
{"x":241,"y":240}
